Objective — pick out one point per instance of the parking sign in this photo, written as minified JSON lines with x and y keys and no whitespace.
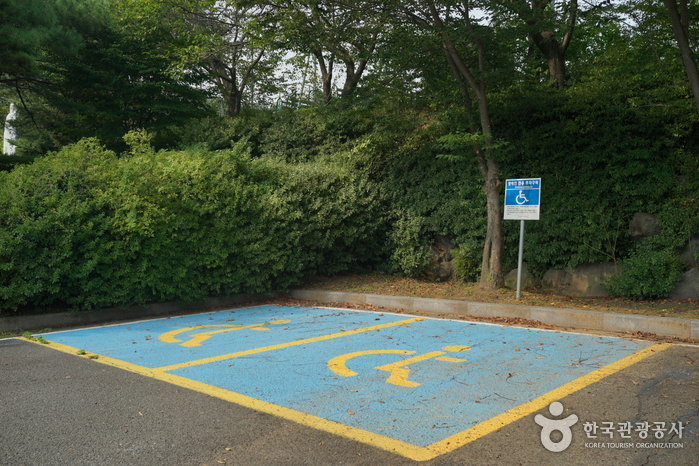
{"x":522,"y":199}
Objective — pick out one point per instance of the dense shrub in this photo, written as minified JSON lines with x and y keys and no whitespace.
{"x":430,"y":196}
{"x":53,"y":233}
{"x":601,"y":161}
{"x":467,"y":261}
{"x":84,"y":228}
{"x":408,"y":242}
{"x":335,"y":217}
{"x":216,"y":133}
{"x":649,"y":274}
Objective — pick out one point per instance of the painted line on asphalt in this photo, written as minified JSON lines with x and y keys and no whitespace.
{"x":304,"y":341}
{"x":332,"y":427}
{"x":498,"y":422}
{"x":405,"y":449}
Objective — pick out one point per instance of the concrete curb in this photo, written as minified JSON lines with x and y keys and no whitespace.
{"x":591,"y":320}
{"x":69,"y":319}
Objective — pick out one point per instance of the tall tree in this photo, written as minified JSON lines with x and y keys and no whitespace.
{"x":93,"y":78}
{"x":550,"y":29}
{"x":24,"y":28}
{"x":113,"y":85}
{"x":216,"y":36}
{"x":332,"y":32}
{"x":679,"y":16}
{"x":30,"y":28}
{"x":463,"y":42}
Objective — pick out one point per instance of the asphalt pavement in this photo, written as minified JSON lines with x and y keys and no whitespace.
{"x":61,"y":408}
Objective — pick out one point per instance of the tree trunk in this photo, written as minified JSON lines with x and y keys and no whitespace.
{"x":492,"y":275}
{"x":233,"y":103}
{"x":326,"y":74}
{"x":352,"y":77}
{"x":679,"y":27}
{"x":226,"y":82}
{"x":354,"y":74}
{"x":555,"y":56}
{"x":554,"y":52}
{"x":491,"y":266}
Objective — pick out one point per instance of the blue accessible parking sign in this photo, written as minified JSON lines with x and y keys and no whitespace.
{"x":522,"y":199}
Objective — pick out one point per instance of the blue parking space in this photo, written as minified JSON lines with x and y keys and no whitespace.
{"x":409,"y":384}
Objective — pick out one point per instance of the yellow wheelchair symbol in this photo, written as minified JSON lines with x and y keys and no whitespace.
{"x":198,"y":338}
{"x":399,"y":370}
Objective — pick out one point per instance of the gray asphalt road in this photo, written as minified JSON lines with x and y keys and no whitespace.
{"x":60,"y":409}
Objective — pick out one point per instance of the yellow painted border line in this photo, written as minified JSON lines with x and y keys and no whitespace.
{"x":386,"y":443}
{"x":305,"y":341}
{"x":402,"y":448}
{"x":501,"y":420}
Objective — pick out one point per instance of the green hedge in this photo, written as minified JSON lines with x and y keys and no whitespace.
{"x":84,"y":228}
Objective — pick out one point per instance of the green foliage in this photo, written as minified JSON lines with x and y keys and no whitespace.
{"x":50,"y":225}
{"x":28,"y":28}
{"x":648,"y":274}
{"x":39,"y":339}
{"x":600,"y":161}
{"x":430,"y":196}
{"x":409,"y":243}
{"x":467,"y":261}
{"x":113,"y":84}
{"x":83,"y":228}
{"x":460,"y":143}
{"x":217,"y":133}
{"x":261,"y":199}
{"x":298,"y":136}
{"x":336,"y":214}
{"x":87,"y":77}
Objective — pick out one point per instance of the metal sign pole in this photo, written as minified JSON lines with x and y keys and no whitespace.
{"x":519,"y":260}
{"x":522,"y":202}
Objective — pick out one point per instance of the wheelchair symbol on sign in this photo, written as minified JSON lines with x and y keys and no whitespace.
{"x":198,"y":338}
{"x":399,"y":370}
{"x":521,"y":198}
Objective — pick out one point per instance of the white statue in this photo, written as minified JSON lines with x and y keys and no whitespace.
{"x":10,"y":133}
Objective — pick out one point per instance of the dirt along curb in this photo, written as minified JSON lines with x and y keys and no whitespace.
{"x":641,"y":326}
{"x":687,"y":329}
{"x":75,"y":319}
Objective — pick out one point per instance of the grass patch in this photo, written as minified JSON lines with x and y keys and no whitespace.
{"x":39,"y":339}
